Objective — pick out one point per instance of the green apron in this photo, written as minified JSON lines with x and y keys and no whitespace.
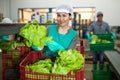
{"x":62,"y":39}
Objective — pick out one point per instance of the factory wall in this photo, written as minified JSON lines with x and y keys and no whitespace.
{"x":110,"y":8}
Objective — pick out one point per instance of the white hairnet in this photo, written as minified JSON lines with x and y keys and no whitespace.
{"x":64,"y":8}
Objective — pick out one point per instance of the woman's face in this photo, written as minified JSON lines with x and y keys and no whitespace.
{"x":63,"y":19}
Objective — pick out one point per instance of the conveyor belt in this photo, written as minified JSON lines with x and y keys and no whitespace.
{"x":113,"y":58}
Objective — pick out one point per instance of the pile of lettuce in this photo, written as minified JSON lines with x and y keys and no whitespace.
{"x":96,"y":39}
{"x":35,"y":34}
{"x":11,"y":45}
{"x":43,"y":66}
{"x":66,"y":61}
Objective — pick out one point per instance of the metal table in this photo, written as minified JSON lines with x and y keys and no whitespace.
{"x":6,"y":29}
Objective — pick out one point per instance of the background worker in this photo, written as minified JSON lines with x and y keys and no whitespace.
{"x":63,"y":35}
{"x":99,"y":27}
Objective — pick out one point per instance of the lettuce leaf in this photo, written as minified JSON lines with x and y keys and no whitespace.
{"x":35,"y":34}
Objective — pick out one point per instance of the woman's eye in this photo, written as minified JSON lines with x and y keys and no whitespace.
{"x":64,"y":15}
{"x":61,"y":15}
{"x":58,"y":15}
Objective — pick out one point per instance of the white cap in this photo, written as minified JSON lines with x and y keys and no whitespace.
{"x":7,"y":20}
{"x":64,"y":8}
{"x":99,"y":13}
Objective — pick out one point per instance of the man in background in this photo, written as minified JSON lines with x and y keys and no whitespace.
{"x":98,"y":27}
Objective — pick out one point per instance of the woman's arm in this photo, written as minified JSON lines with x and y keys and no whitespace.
{"x":47,"y":30}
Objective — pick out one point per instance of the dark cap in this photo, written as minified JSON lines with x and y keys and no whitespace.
{"x":99,"y":13}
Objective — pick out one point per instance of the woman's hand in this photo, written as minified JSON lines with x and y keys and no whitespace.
{"x":36,"y":48}
{"x":54,"y":46}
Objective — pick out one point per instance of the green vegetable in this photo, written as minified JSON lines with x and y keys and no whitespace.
{"x":43,"y":66}
{"x":106,"y":41}
{"x":67,"y":61}
{"x":35,"y":34}
{"x":64,"y":63}
{"x":49,"y":22}
{"x":11,"y":45}
{"x":96,"y":39}
{"x":35,"y":21}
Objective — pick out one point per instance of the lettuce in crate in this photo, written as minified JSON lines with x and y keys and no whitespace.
{"x":68,"y":60}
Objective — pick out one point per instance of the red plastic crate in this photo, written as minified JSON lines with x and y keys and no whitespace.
{"x":80,"y":46}
{"x":29,"y":75}
{"x":12,"y":58}
{"x":33,"y":55}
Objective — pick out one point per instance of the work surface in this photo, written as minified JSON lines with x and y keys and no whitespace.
{"x":6,"y":29}
{"x":13,"y":28}
{"x":113,"y":58}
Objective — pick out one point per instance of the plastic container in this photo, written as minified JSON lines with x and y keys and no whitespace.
{"x":33,"y":55}
{"x":103,"y":46}
{"x":104,"y":74}
{"x":11,"y":60}
{"x":29,"y":75}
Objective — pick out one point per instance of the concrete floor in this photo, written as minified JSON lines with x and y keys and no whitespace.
{"x":88,"y":72}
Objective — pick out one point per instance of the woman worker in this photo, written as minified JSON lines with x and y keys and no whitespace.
{"x":63,"y":35}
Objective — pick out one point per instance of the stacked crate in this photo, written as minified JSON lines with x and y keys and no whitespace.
{"x":11,"y":60}
{"x":104,"y":74}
